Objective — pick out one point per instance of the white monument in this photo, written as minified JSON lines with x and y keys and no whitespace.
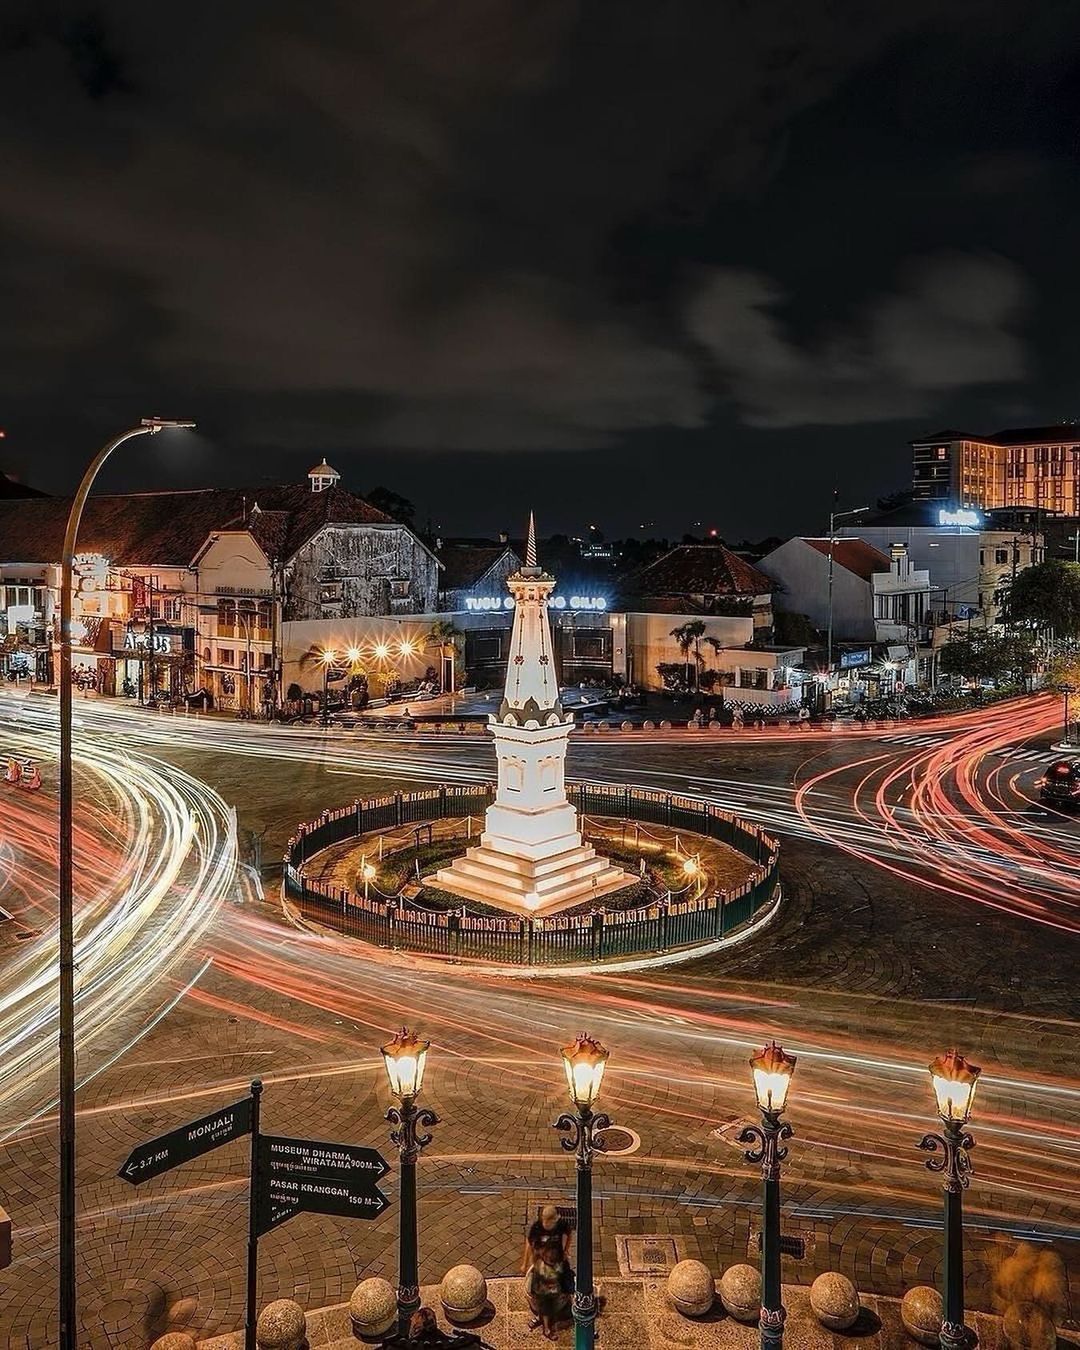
{"x":532,"y":858}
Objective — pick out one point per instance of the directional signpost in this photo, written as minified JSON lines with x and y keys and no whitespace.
{"x":188,"y":1142}
{"x":288,"y":1176}
{"x":307,"y":1175}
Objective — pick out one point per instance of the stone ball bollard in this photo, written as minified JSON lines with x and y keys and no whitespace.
{"x":921,"y":1311}
{"x":665,"y":725}
{"x":464,"y":1294}
{"x":373,"y":1308}
{"x":834,"y":1301}
{"x":691,"y":1289}
{"x":648,"y":725}
{"x":626,"y":726}
{"x":281,"y":1326}
{"x":740,"y":1293}
{"x":1027,"y":1326}
{"x":174,"y":1340}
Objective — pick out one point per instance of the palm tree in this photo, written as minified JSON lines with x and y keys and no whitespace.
{"x":443,"y":635}
{"x":688,"y":636}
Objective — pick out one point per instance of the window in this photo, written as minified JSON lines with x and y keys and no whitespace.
{"x":399,"y":590}
{"x":226,"y":656}
{"x":267,"y":660}
{"x":1001,"y":555}
{"x":942,"y":452}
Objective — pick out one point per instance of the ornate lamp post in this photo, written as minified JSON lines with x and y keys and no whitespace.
{"x":405,"y":1057}
{"x":584,"y":1061}
{"x":772,"y":1070}
{"x":954,"y":1082}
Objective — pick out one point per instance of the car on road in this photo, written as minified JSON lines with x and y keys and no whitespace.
{"x":1060,"y":784}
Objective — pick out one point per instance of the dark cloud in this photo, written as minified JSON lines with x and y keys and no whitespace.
{"x":422,"y":226}
{"x":949,"y":325}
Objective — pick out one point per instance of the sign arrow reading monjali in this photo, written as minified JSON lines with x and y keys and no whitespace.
{"x":189,"y":1141}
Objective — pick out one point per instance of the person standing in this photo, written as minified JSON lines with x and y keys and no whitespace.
{"x":549,"y":1278}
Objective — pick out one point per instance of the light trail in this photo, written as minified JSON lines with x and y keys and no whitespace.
{"x":155,"y":857}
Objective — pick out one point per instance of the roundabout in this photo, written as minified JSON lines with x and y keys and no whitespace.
{"x":529,"y":886}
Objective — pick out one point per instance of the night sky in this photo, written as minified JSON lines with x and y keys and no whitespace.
{"x":661,"y":262}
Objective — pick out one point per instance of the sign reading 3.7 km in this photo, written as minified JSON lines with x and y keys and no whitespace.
{"x":189,"y":1141}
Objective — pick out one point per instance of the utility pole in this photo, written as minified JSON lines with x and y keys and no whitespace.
{"x":834,"y":516}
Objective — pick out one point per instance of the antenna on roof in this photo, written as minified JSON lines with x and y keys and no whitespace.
{"x":243,"y":510}
{"x":530,"y":543}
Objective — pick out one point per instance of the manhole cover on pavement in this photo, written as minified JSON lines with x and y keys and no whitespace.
{"x":646,"y":1255}
{"x":617,"y":1140}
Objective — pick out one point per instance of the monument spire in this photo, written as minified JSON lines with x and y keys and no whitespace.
{"x":530,"y":543}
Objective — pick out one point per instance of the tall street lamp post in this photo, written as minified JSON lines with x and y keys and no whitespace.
{"x":149,"y":426}
{"x":954,"y":1081}
{"x":405,"y":1057}
{"x":834,"y":517}
{"x":1066,"y":690}
{"x":772,"y":1070}
{"x":584,"y":1062}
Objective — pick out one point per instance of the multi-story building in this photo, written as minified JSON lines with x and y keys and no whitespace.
{"x":210,"y":590}
{"x":1025,"y":466}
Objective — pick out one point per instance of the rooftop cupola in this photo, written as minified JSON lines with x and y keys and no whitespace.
{"x":322,"y":476}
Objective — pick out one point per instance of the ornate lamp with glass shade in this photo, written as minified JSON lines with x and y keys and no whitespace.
{"x":954,"y":1081}
{"x":584,"y":1061}
{"x":771,"y":1070}
{"x":405,"y":1058}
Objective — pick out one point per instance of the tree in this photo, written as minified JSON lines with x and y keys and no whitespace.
{"x":1046,"y":595}
{"x":393,"y":504}
{"x":688,"y":635}
{"x":445,"y":638}
{"x":986,"y":655}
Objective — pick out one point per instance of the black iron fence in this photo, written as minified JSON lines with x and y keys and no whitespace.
{"x":662,"y":925}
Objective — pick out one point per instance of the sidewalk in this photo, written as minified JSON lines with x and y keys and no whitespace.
{"x":636,"y":1315}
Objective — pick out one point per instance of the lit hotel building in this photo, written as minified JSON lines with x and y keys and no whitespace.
{"x":1033,"y":467}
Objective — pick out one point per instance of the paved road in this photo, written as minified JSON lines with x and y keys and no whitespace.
{"x":913,"y":921}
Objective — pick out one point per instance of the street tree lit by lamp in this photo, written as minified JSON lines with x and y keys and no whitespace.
{"x":954,"y":1081}
{"x":405,"y":1057}
{"x":772,"y":1070}
{"x":584,"y":1061}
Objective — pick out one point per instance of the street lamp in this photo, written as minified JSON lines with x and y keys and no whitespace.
{"x":954,"y":1081}
{"x":834,"y":516}
{"x":1065,"y":690}
{"x":584,"y":1061}
{"x":328,"y":656}
{"x":772,"y":1070}
{"x":405,"y":1057}
{"x":149,"y":426}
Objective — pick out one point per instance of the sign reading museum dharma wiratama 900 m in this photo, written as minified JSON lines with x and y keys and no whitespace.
{"x":189,"y":1141}
{"x":297,"y":1175}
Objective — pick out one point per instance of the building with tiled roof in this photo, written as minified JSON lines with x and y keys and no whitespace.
{"x":700,"y":579}
{"x":875,"y":597}
{"x":202,"y":589}
{"x":470,"y":569}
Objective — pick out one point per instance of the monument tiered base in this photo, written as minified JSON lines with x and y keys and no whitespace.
{"x":568,"y":872}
